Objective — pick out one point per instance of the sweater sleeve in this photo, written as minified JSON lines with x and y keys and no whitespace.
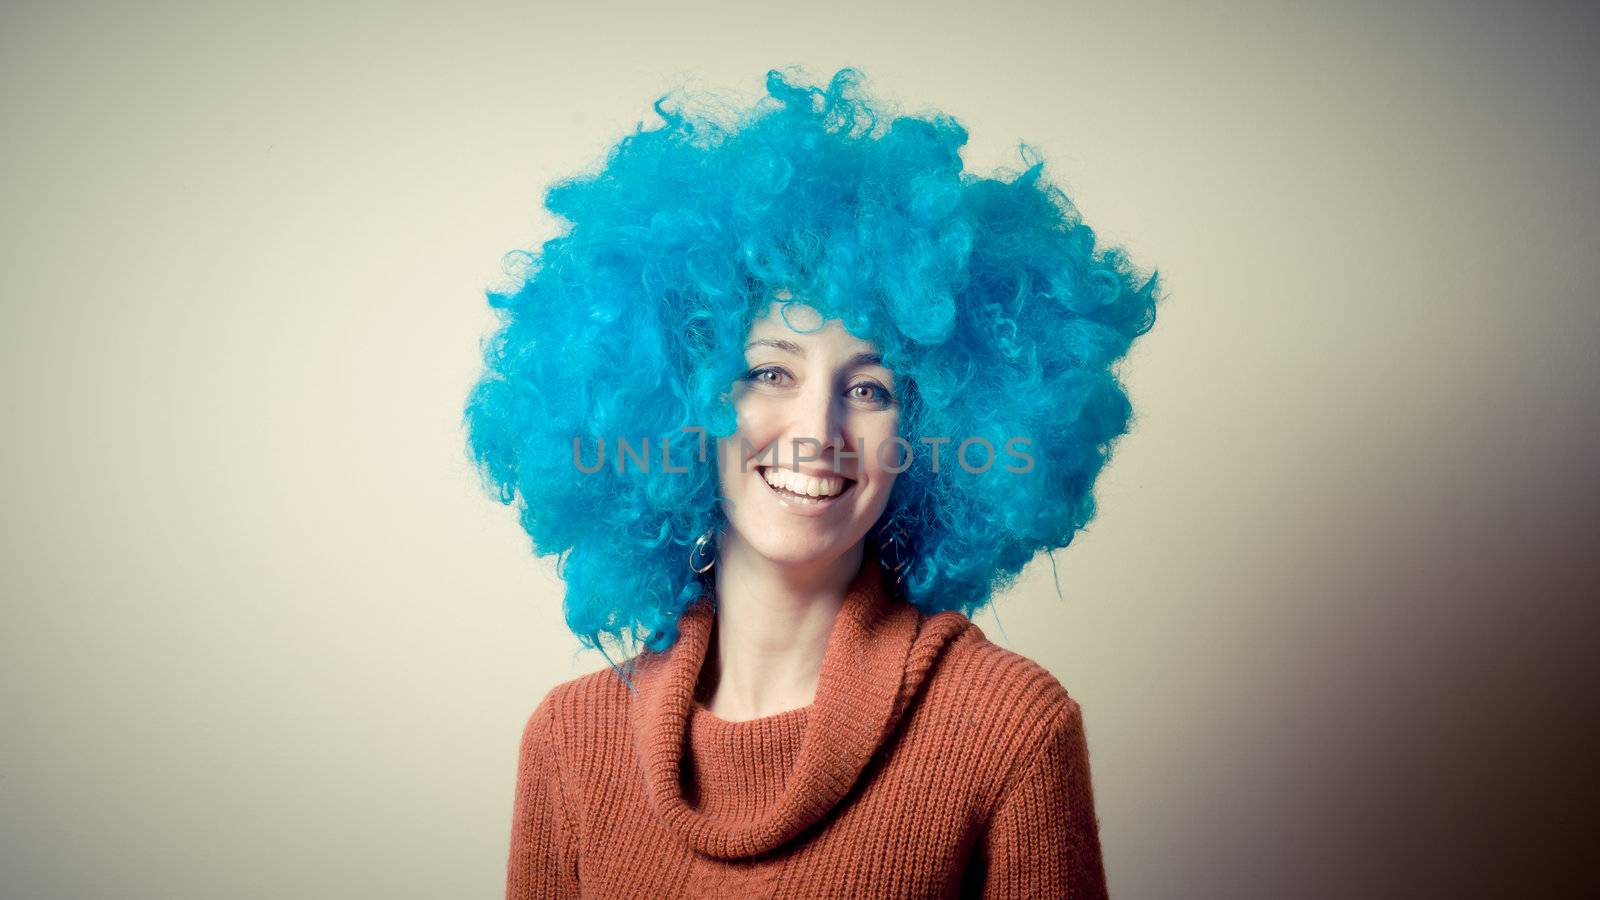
{"x":542,"y":863}
{"x":1044,"y":840}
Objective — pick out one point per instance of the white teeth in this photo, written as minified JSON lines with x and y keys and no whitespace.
{"x":790,"y":480}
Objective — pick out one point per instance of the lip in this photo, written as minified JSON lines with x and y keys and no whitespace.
{"x":812,"y":509}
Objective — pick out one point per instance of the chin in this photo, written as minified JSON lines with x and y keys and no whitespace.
{"x":797,"y":552}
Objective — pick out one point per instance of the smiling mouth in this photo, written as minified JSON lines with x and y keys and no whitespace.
{"x":789,"y":496}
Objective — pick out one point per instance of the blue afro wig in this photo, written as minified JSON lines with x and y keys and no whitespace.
{"x":989,"y":298}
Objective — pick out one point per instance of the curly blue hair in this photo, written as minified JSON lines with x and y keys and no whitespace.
{"x":989,"y":298}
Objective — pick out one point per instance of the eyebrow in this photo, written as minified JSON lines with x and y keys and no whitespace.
{"x":860,"y":359}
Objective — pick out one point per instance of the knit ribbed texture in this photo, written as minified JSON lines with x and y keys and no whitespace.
{"x":931,"y":763}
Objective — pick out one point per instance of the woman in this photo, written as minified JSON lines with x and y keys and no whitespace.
{"x":792,"y":397}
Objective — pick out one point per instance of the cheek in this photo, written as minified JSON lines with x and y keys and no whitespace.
{"x":879,"y":447}
{"x":727,"y":465}
{"x":753,"y":427}
{"x":758,"y":425}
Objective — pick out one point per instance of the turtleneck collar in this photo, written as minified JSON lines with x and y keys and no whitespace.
{"x":879,"y":652}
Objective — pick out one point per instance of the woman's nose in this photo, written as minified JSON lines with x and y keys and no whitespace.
{"x":816,"y":419}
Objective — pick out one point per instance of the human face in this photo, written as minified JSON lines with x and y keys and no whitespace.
{"x":804,"y":397}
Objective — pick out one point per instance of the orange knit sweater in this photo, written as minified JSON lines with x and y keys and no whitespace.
{"x":931,"y":763}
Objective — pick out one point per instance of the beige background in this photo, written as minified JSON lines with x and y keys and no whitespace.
{"x":263,"y":638}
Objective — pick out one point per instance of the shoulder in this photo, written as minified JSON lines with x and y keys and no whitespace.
{"x":982,"y":669}
{"x":567,"y":711}
{"x":995,"y":691}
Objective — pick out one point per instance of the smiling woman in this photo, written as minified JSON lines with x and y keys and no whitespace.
{"x":810,"y":408}
{"x":806,"y":708}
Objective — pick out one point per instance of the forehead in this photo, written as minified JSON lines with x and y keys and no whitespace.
{"x":801,"y":324}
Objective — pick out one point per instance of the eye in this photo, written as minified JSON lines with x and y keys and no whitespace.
{"x":875,"y":393}
{"x":760,"y":376}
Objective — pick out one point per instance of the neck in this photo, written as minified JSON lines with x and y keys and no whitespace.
{"x":771,"y":629}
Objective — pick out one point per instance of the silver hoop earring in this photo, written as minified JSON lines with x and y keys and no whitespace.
{"x":703,"y":554}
